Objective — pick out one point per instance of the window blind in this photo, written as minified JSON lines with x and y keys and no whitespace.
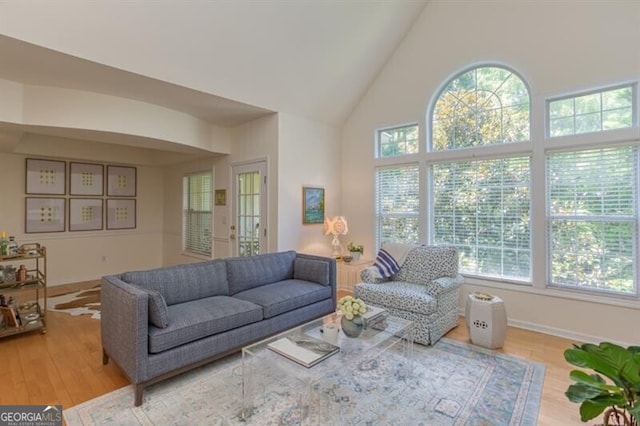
{"x":397,"y":203}
{"x":197,"y":205}
{"x":483,"y":208}
{"x":592,"y":218}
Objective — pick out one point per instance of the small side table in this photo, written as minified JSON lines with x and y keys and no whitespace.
{"x":486,"y":320}
{"x":348,"y":274}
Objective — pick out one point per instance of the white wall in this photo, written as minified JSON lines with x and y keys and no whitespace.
{"x":557,"y":47}
{"x":78,"y":256}
{"x":309,"y":155}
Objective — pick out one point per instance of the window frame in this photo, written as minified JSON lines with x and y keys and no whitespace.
{"x":577,"y":94}
{"x":509,"y":149}
{"x":537,"y":148}
{"x":187,"y":248}
{"x":378,"y":139}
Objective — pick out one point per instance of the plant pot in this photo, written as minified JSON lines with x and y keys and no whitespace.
{"x":355,"y":256}
{"x":352,"y":328}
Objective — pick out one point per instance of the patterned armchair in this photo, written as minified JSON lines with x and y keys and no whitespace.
{"x":424,"y":290}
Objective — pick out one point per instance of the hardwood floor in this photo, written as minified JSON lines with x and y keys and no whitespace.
{"x":65,"y":367}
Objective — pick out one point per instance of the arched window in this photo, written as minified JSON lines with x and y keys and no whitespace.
{"x":483,"y":106}
{"x":480,"y":195}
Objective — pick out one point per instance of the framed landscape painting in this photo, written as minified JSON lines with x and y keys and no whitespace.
{"x":312,"y":205}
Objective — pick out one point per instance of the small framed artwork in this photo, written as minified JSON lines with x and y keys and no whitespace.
{"x":45,"y":177}
{"x":121,"y":213}
{"x":121,"y":181}
{"x":86,"y":179}
{"x":44,"y":215}
{"x":221,"y":197}
{"x":85,"y":214}
{"x":312,"y":205}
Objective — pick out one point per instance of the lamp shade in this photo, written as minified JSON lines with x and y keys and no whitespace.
{"x":336,"y":225}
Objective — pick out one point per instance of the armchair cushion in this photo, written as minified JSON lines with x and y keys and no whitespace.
{"x":399,"y":295}
{"x":427,"y":263}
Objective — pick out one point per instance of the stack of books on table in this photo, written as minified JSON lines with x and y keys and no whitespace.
{"x":304,"y":349}
{"x":374,"y":315}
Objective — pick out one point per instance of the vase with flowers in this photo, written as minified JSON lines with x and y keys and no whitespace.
{"x":352,"y":310}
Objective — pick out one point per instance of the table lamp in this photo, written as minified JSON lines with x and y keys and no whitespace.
{"x":335,"y":226}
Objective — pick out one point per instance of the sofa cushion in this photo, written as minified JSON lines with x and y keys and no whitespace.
{"x":312,"y":270}
{"x":182,"y":283}
{"x":426,"y":263}
{"x":398,"y":294}
{"x":285,"y":296}
{"x":244,"y":273}
{"x":158,"y":314}
{"x":190,"y":321}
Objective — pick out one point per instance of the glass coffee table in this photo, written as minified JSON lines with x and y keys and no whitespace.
{"x":273,"y":383}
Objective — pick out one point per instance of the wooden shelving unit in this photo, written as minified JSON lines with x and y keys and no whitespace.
{"x":32,"y":314}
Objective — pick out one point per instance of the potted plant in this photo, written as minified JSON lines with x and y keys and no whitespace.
{"x":619,"y":400}
{"x":355,"y":250}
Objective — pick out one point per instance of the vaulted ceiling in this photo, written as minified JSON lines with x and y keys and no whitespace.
{"x":225,"y":62}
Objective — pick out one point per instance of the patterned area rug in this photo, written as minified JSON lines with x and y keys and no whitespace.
{"x":453,"y":383}
{"x":83,"y":302}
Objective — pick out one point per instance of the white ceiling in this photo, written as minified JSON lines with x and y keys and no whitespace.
{"x":225,"y":62}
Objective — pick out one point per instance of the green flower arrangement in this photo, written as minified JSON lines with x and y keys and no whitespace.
{"x":351,"y":307}
{"x":355,"y":248}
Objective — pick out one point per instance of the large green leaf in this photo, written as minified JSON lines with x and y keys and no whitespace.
{"x":593,"y":380}
{"x":610,"y":400}
{"x":589,"y":410}
{"x":630,"y":373}
{"x":580,"y":392}
{"x":607,"y":359}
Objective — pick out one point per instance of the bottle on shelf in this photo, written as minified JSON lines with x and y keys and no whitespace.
{"x":4,"y":244}
{"x":12,"y":246}
{"x":22,"y":273}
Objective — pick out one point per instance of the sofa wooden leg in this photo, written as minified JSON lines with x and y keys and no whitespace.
{"x":138,"y":395}
{"x":105,"y":358}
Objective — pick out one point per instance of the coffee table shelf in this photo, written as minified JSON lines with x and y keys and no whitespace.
{"x":265,"y":371}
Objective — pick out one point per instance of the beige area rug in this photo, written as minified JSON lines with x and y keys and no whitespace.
{"x":83,"y":302}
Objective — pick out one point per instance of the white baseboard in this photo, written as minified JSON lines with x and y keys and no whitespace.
{"x":559,"y":332}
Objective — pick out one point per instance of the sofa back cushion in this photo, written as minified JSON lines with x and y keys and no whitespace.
{"x":182,"y":283}
{"x":312,"y":270}
{"x":427,"y":263}
{"x":244,"y":273}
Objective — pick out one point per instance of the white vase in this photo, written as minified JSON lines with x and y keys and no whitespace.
{"x":355,"y":255}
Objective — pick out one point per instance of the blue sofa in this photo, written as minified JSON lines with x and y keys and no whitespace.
{"x":161,"y":322}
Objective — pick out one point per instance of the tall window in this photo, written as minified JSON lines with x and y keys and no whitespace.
{"x":593,"y":218}
{"x":197,"y":207}
{"x":397,"y":203}
{"x":482,"y":206}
